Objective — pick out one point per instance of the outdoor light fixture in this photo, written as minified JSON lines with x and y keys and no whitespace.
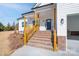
{"x":62,"y":21}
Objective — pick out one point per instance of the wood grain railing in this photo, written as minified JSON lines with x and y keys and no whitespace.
{"x":32,"y":31}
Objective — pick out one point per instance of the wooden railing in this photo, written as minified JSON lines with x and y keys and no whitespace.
{"x":31,"y":32}
{"x":28,"y":34}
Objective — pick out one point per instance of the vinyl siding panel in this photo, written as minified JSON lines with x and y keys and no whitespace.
{"x":64,"y":9}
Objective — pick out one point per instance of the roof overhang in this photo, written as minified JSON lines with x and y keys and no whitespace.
{"x":27,"y":13}
{"x":42,"y":6}
{"x":20,"y":18}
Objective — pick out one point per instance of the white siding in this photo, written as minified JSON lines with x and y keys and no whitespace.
{"x":63,"y":9}
{"x":21,"y":29}
{"x":45,"y":13}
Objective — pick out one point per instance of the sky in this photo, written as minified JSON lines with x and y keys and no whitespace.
{"x":9,"y":12}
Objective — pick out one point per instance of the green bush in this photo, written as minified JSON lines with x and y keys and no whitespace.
{"x":1,"y":27}
{"x":7,"y":28}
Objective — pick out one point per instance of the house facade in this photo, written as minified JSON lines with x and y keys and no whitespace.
{"x":29,"y":21}
{"x":69,"y":12}
{"x":54,"y":16}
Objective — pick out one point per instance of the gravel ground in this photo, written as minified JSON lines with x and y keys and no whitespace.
{"x":73,"y":50}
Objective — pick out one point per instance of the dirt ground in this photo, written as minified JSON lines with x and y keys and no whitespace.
{"x":4,"y":42}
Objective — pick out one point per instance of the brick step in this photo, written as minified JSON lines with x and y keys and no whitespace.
{"x":40,"y":46}
{"x":42,"y":34}
{"x":49,"y":33}
{"x":40,"y":42}
{"x":44,"y":31}
{"x":40,"y":38}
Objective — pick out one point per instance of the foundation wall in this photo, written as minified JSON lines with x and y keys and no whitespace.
{"x":61,"y":42}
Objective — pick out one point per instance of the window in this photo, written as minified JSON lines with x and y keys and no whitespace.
{"x":34,"y":22}
{"x":23,"y":24}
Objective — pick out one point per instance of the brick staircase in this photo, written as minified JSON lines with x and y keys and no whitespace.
{"x":41,"y":39}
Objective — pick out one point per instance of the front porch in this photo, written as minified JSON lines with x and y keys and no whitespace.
{"x":43,"y":25}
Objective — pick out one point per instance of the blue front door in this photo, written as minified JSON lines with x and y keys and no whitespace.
{"x":48,"y":24}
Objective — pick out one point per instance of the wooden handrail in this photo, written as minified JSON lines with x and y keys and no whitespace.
{"x":32,"y":31}
{"x":28,"y":34}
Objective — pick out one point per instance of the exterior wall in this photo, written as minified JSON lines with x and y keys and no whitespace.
{"x":21,"y":29}
{"x":63,"y":9}
{"x":43,"y":16}
{"x":29,"y":23}
{"x":46,"y":12}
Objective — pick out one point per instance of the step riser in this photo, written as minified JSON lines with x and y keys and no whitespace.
{"x":44,"y":33}
{"x":44,"y":38}
{"x":41,"y":47}
{"x":39,"y":44}
{"x":41,"y":40}
{"x":44,"y":43}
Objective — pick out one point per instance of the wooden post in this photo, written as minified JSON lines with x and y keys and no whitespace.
{"x":36,"y":21}
{"x":25,"y":36}
{"x":55,"y":35}
{"x":36,"y":18}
